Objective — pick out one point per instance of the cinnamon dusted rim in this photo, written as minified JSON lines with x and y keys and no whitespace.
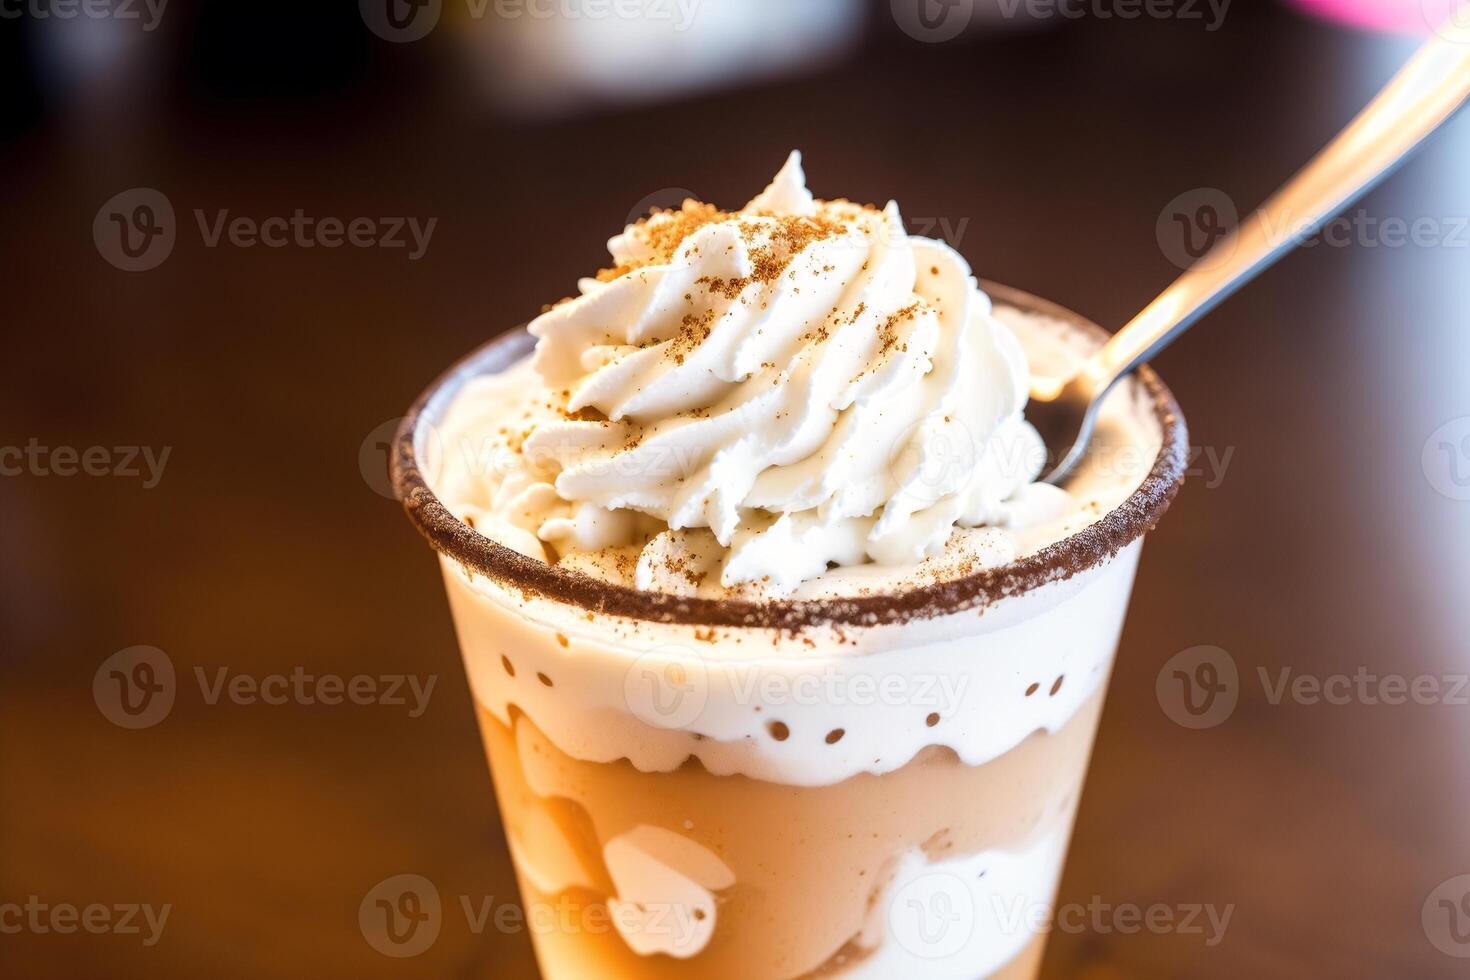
{"x":1076,"y":553}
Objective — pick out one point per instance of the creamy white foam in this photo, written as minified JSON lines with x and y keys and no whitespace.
{"x":666,"y":885}
{"x":489,"y":480}
{"x":750,"y":397}
{"x":965,"y":917}
{"x":760,"y":705}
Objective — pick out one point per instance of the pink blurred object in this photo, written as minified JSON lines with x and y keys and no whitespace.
{"x":1419,"y":17}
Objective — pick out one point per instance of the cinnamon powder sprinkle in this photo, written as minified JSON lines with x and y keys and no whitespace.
{"x":728,"y":288}
{"x":772,"y":247}
{"x":888,"y":333}
{"x":664,"y":232}
{"x":693,"y":331}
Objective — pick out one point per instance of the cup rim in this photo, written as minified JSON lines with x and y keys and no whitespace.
{"x":1078,"y":552}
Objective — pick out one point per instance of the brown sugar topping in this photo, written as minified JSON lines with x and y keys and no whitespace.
{"x":678,"y":565}
{"x":664,"y":232}
{"x":693,"y":330}
{"x":728,"y":288}
{"x":888,"y":333}
{"x":774,"y":239}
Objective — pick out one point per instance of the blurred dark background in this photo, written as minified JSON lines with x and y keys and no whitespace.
{"x":1325,"y":530}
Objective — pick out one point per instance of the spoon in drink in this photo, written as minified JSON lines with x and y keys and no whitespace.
{"x":1421,"y":97}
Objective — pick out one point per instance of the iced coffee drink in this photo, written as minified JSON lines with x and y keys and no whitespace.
{"x":785,"y":665}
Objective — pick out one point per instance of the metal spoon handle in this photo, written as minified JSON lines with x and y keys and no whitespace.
{"x":1426,"y":92}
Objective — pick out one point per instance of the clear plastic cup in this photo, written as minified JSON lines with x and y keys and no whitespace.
{"x":876,"y":787}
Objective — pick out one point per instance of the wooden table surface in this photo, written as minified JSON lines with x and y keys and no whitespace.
{"x":1312,"y":538}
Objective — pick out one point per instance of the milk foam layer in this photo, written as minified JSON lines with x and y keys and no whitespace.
{"x":965,"y":917}
{"x":750,"y":397}
{"x":806,"y":711}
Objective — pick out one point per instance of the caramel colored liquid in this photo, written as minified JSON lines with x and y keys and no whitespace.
{"x":810,"y":868}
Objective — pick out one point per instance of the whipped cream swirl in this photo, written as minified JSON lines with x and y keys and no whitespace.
{"x":753,"y":397}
